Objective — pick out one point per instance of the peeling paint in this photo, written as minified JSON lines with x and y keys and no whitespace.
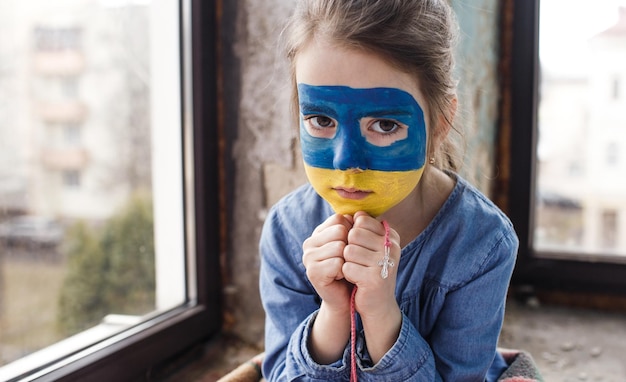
{"x":477,"y":68}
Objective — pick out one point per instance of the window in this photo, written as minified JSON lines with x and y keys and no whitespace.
{"x":612,"y":154}
{"x":609,"y":229}
{"x":561,"y":118}
{"x":70,"y":87}
{"x":616,"y":88}
{"x":142,"y":145}
{"x":71,"y":179}
{"x":71,"y":135}
{"x":49,"y":38}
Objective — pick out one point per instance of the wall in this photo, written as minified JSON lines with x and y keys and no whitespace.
{"x":262,"y":156}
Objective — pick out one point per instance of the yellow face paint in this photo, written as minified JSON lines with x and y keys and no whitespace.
{"x":374,"y":192}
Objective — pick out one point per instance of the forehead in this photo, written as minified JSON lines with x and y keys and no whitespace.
{"x":360,"y":102}
{"x":325,"y":63}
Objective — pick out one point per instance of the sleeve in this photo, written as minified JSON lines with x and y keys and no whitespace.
{"x":465,"y":336}
{"x":410,"y":359}
{"x":290,"y":304}
{"x":462,"y":345}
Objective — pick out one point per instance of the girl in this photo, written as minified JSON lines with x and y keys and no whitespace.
{"x":388,"y":265}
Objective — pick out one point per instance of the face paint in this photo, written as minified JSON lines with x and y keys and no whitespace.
{"x":363,"y":149}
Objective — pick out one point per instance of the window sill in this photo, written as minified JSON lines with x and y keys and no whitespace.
{"x":111,"y":325}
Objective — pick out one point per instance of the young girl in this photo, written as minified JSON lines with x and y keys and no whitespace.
{"x":388,"y":266}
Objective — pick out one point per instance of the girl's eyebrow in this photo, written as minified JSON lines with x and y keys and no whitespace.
{"x":389,"y":113}
{"x":312,"y":108}
{"x":315,"y":108}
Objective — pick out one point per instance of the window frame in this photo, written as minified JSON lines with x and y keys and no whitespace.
{"x":144,"y":351}
{"x":563,"y":272}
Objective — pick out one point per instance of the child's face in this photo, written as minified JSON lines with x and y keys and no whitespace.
{"x":362,"y":128}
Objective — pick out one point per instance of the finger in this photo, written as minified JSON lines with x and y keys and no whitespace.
{"x":361,"y":255}
{"x":363,"y":221}
{"x":366,"y":221}
{"x":367,"y":276}
{"x":367,"y":249}
{"x":360,"y":213}
{"x":345,"y":220}
{"x":328,"y":250}
{"x":349,"y":219}
{"x":354,"y":272}
{"x":325,"y":272}
{"x":365,"y":238}
{"x":335,"y":232}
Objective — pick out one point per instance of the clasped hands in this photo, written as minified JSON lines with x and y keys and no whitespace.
{"x":342,"y":252}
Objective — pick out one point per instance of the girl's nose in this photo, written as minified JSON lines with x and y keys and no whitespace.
{"x":349,"y":151}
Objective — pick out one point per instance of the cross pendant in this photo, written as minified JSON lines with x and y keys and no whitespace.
{"x":385,"y":263}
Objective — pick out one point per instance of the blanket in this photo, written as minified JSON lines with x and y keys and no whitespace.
{"x":521,"y":368}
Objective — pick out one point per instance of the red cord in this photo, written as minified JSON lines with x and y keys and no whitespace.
{"x":353,"y":375}
{"x":387,"y":241}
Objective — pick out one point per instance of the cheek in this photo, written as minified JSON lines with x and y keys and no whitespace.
{"x":315,"y":151}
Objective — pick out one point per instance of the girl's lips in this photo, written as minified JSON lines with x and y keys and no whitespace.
{"x":351,"y":193}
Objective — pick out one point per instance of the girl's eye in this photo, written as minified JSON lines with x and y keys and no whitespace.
{"x":385,"y":126}
{"x":383,"y":132}
{"x":320,"y":122}
{"x":320,"y":126}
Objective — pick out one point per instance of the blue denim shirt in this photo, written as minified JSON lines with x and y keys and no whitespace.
{"x":451,"y":288}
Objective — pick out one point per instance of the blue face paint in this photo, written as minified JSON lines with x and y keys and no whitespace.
{"x":348,"y":148}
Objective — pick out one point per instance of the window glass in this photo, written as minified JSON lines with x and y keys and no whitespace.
{"x":91,"y":206}
{"x":581,"y":187}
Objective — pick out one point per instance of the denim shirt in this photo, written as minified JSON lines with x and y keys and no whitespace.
{"x":451,"y":288}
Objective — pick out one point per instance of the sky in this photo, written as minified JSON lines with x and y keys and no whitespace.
{"x":566,"y":25}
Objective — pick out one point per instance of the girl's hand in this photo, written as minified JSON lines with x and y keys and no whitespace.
{"x":375,"y":297}
{"x":323,"y":260}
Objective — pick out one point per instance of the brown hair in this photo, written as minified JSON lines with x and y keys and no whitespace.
{"x":416,"y":36}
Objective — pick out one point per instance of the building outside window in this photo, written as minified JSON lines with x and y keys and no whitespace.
{"x":612,"y":154}
{"x":610,"y":228}
{"x":97,"y":219}
{"x":580,"y":61}
{"x":616,"y":94}
{"x":71,"y":179}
